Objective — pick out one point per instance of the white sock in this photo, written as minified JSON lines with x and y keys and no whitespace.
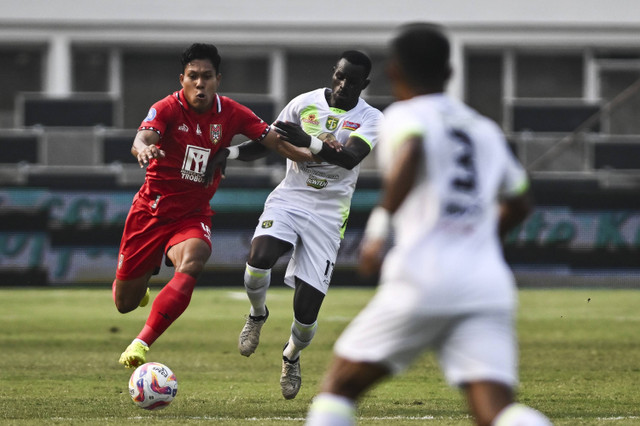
{"x":520,"y":415}
{"x":331,"y":410}
{"x":256,"y":282}
{"x":301,"y":336}
{"x":140,"y":341}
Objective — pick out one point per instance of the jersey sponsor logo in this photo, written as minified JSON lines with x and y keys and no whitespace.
{"x":316,"y":183}
{"x":332,"y":122}
{"x":267,"y":224}
{"x":183,"y":127}
{"x":215,"y":132}
{"x":151,"y":114}
{"x":311,"y":119}
{"x":195,"y":163}
{"x":350,"y":125}
{"x":306,"y":168}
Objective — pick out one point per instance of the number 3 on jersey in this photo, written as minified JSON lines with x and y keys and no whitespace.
{"x":464,"y":181}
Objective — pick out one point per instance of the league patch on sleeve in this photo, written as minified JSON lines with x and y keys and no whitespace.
{"x":151,"y":115}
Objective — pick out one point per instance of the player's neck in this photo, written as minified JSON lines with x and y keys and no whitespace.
{"x":347,"y":106}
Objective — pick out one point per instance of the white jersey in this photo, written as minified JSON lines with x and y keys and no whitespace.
{"x":446,"y":230}
{"x":323,"y":189}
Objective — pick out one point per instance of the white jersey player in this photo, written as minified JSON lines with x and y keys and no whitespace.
{"x":308,"y":210}
{"x":317,"y":195}
{"x":451,"y":188}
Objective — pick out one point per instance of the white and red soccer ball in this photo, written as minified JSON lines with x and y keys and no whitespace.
{"x":153,"y":386}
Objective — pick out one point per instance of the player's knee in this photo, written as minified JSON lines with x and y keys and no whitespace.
{"x":193,"y":267}
{"x":260,"y":260}
{"x":305,"y":317}
{"x":124,"y":305}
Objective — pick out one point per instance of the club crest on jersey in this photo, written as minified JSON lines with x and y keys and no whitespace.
{"x":267,"y":224}
{"x":332,"y":122}
{"x":350,"y":125}
{"x":215,"y":132}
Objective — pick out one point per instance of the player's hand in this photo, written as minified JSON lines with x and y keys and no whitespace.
{"x":371,"y":255}
{"x":218,"y":161}
{"x":292,"y":133}
{"x":149,"y":153}
{"x":333,"y":143}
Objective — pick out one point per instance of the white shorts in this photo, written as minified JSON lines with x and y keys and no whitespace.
{"x":315,"y":244}
{"x":395,"y":328}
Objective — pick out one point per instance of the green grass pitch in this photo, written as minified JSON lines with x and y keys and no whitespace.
{"x":580,"y":361}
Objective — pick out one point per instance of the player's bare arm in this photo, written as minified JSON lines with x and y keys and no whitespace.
{"x":347,"y":156}
{"x":144,"y":147}
{"x":253,"y":150}
{"x":513,"y":211}
{"x":399,"y":181}
{"x":396,"y":185}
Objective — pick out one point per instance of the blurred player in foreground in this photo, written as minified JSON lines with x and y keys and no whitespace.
{"x":451,"y":189}
{"x":171,"y":213}
{"x":308,"y":210}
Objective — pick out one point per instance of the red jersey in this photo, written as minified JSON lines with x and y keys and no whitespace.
{"x":174,"y":184}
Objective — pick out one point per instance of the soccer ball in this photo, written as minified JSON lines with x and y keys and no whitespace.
{"x":153,"y":386}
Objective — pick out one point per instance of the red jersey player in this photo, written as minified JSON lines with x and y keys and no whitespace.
{"x":171,"y":213}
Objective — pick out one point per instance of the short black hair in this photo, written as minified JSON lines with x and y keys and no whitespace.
{"x":422,"y":51}
{"x":201,"y":51}
{"x":357,"y":57}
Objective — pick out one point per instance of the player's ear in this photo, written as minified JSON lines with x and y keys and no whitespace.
{"x":392,"y":69}
{"x":365,"y":84}
{"x":182,"y":80}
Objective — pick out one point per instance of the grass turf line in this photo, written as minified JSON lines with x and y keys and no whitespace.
{"x":579,"y":361}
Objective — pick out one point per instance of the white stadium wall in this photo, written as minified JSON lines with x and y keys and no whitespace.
{"x":285,"y":23}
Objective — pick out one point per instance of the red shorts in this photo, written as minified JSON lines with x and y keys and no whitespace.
{"x":146,"y":238}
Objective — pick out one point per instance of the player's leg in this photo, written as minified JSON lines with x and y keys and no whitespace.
{"x":343,"y":384}
{"x":309,"y":272}
{"x":383,"y":339}
{"x":306,"y":306}
{"x":140,"y":255}
{"x":129,"y":294}
{"x":264,"y":253}
{"x":189,"y":258}
{"x":492,"y":404}
{"x":479,"y":354}
{"x":486,"y":399}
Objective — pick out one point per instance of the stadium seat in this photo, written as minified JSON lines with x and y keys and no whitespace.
{"x":617,"y":155}
{"x":18,"y":147}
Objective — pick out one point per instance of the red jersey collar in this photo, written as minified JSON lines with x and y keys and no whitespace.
{"x":217,"y":105}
